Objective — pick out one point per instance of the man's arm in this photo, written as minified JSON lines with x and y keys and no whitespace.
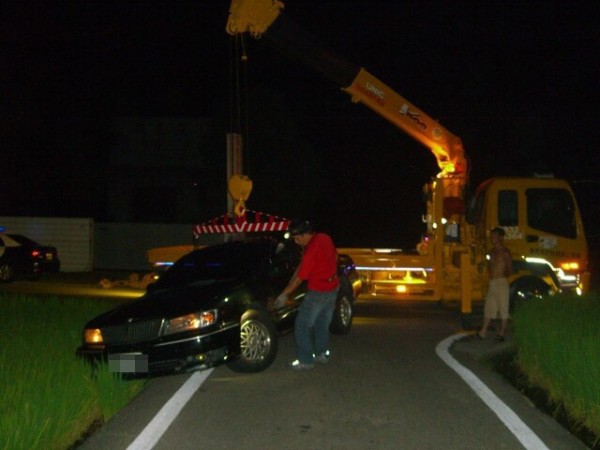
{"x":283,"y":298}
{"x":292,"y":286}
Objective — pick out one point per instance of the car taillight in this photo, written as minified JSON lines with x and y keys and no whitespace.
{"x":35,"y":253}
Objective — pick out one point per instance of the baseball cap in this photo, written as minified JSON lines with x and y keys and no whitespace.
{"x":298,"y":227}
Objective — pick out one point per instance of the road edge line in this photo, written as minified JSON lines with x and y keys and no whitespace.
{"x":150,"y":435}
{"x":511,"y":420}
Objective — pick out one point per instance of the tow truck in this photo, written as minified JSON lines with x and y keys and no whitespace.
{"x":540,"y":215}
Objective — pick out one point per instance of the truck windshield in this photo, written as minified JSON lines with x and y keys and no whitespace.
{"x":552,"y":211}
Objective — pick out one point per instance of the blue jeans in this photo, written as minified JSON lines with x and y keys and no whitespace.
{"x":313,"y":319}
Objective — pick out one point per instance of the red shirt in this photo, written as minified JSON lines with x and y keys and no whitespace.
{"x":319,"y":264}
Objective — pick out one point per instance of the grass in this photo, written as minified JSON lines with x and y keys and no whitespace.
{"x":49,"y":397}
{"x":557,"y":340}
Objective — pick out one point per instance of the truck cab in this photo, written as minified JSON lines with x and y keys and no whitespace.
{"x":543,"y":226}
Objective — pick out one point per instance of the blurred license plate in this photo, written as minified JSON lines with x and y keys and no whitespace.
{"x":49,"y":256}
{"x":128,"y":363}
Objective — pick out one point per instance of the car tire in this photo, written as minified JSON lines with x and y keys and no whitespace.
{"x":341,"y":321}
{"x":525,"y":289}
{"x":258,"y":343}
{"x":7,"y":273}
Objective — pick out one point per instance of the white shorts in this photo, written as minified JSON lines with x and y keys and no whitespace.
{"x":497,"y":299}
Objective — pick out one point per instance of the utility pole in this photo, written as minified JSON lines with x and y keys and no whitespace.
{"x":235,"y":164}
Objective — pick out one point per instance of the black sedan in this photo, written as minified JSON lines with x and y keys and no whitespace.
{"x":21,"y":256}
{"x":214,"y":305}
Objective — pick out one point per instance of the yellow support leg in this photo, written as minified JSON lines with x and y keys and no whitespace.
{"x":465,"y":291}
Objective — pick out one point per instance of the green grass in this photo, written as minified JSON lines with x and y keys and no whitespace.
{"x":49,"y":398}
{"x":557,"y":340}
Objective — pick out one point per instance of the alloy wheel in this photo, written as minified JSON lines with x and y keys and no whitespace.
{"x":345,"y":311}
{"x":255,"y":340}
{"x":7,"y":273}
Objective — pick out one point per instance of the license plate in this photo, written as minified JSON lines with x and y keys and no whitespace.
{"x":128,"y":363}
{"x":49,"y":256}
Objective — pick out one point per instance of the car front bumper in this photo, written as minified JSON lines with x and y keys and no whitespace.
{"x":161,"y":357}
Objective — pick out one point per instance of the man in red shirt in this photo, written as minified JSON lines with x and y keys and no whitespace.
{"x":319,"y":268}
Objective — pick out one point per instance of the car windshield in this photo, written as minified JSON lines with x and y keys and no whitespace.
{"x":220,"y":262}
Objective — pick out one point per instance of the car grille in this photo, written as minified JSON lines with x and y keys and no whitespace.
{"x":132,"y":332}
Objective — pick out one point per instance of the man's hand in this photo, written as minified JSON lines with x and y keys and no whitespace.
{"x":281,"y":301}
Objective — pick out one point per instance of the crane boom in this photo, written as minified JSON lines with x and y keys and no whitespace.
{"x":264,"y":18}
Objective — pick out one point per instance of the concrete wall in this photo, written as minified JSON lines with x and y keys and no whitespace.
{"x":84,"y":245}
{"x":123,"y":246}
{"x":72,"y":238}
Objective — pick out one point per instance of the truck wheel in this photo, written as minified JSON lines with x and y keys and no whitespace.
{"x":258,"y":343}
{"x":526,"y":288}
{"x":343,"y":313}
{"x":7,"y":272}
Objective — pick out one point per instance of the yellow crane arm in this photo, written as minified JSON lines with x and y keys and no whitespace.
{"x":265,"y":18}
{"x":445,"y":146}
{"x":252,"y":16}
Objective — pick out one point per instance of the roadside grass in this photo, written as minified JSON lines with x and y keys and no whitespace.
{"x":557,"y":342}
{"x":49,"y":397}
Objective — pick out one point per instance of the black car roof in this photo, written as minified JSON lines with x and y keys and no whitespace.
{"x":235,"y":259}
{"x":21,"y":239}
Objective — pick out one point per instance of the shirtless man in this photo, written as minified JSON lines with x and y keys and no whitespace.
{"x":497,"y":298}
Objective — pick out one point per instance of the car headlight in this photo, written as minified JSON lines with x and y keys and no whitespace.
{"x":191,"y":322}
{"x":93,"y":336}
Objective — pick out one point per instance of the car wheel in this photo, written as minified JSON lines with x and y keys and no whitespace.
{"x":525,"y":289}
{"x":7,"y":273}
{"x":343,"y":313}
{"x":258,"y":343}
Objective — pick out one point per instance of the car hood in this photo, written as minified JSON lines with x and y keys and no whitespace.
{"x":168,"y":303}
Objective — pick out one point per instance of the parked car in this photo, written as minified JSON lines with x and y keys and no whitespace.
{"x":214,"y":305}
{"x":21,"y":256}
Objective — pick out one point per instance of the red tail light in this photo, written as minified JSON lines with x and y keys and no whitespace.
{"x":35,"y":253}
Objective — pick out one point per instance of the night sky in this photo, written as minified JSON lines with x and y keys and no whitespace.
{"x":517,"y":81}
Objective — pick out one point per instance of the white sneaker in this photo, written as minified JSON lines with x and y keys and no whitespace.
{"x":297,"y":365}
{"x":323,"y":358}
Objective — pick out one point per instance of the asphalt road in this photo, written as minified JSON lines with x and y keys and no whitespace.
{"x":384,"y":388}
{"x":108,"y":283}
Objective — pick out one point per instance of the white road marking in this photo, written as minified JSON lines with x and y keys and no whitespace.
{"x":513,"y":422}
{"x":148,"y":438}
